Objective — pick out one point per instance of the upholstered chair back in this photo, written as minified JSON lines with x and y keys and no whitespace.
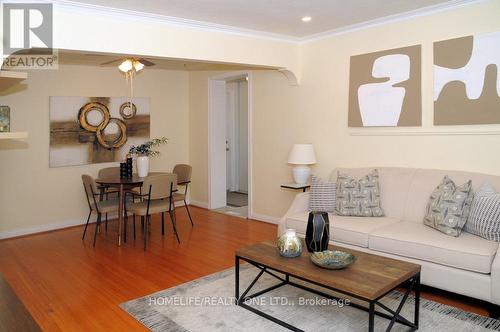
{"x":183,"y":172}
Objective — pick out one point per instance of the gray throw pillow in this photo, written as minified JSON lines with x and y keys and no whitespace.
{"x":449,"y":207}
{"x":484,"y":217}
{"x":322,"y":195}
{"x":359,"y":198}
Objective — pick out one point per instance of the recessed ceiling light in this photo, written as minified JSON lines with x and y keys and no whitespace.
{"x":306,"y":19}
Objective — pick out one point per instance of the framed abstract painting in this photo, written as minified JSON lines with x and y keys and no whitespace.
{"x":467,"y":80}
{"x":89,"y":130}
{"x":385,"y":88}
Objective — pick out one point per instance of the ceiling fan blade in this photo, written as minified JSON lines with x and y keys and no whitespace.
{"x":112,"y":62}
{"x":146,"y":62}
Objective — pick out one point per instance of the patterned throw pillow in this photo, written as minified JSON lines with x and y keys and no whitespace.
{"x":322,"y":195}
{"x":449,"y":207}
{"x":484,"y":217}
{"x":360,"y":198}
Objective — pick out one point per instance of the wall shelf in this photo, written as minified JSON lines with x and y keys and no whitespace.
{"x":14,"y":135}
{"x":11,"y":78}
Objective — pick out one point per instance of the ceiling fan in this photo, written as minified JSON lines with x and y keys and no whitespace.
{"x":130,"y":66}
{"x":130,"y":63}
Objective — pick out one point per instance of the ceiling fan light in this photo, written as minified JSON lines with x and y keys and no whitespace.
{"x":126,"y":66}
{"x":138,"y":65}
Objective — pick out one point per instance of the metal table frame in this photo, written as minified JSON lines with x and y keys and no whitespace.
{"x":413,"y":283}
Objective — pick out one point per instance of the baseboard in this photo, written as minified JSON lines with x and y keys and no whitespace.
{"x":43,"y":228}
{"x":264,"y":218}
{"x":83,"y":219}
{"x":199,"y":204}
{"x":65,"y":224}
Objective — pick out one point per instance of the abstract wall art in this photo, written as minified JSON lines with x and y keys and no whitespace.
{"x":89,"y":130}
{"x":385,"y":88}
{"x":466,"y":80}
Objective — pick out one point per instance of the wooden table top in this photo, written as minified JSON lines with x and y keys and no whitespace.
{"x":370,"y":277}
{"x":111,"y":180}
{"x":134,"y":180}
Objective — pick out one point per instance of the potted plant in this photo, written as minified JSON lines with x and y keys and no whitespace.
{"x":144,"y":152}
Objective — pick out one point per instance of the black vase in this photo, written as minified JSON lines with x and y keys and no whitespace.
{"x":317,"y":232}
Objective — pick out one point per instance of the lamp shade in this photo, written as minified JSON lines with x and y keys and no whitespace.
{"x":126,"y":65}
{"x":302,"y":154}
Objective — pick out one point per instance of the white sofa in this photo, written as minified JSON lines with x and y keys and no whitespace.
{"x":467,"y":265}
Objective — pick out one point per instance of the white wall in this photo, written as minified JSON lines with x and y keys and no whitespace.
{"x":34,"y":196}
{"x":316,"y":111}
{"x":89,"y":28}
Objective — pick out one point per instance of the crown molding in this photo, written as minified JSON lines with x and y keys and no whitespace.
{"x":405,"y":16}
{"x":79,"y":7}
{"x":90,"y":9}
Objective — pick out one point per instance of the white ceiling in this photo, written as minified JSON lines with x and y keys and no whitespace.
{"x":277,"y":16}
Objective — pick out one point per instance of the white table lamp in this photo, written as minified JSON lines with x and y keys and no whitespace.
{"x":301,"y":156}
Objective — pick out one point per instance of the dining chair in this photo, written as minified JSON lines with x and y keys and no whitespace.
{"x":96,"y":205}
{"x":108,"y":191}
{"x":108,"y":172}
{"x":157,"y":200}
{"x":183,"y":173}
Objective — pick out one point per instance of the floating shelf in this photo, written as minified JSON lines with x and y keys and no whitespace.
{"x":14,"y":135}
{"x":11,"y":78}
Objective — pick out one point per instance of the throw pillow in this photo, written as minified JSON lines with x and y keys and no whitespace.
{"x":449,"y":207}
{"x":484,"y":217}
{"x":359,"y":198}
{"x":322,"y":195}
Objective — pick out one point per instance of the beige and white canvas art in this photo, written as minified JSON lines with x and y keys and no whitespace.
{"x":466,"y":80}
{"x":385,"y":88}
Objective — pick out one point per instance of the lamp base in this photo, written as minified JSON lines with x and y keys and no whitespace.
{"x":301,"y":174}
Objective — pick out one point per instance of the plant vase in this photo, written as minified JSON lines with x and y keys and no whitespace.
{"x":142,"y":163}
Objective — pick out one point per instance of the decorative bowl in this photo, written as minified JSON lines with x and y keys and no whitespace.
{"x":332,"y":259}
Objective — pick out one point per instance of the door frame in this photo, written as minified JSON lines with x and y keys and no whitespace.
{"x":213,"y":128}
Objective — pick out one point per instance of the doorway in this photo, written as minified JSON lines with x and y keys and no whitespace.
{"x":229,"y":144}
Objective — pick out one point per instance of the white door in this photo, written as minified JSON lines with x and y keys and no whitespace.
{"x":217,"y":144}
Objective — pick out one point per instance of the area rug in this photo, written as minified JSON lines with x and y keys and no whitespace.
{"x":207,"y":304}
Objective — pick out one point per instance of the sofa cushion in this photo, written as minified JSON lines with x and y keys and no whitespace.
{"x":322,"y":195}
{"x":484,"y":217}
{"x":350,"y":230}
{"x":394,"y":185}
{"x":360,"y":198}
{"x":410,"y":239}
{"x":425,"y":181}
{"x":449,"y":207}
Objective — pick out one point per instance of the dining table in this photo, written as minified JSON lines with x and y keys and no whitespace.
{"x":123,"y":185}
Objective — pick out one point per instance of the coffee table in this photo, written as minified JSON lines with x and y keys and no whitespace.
{"x":369,"y":279}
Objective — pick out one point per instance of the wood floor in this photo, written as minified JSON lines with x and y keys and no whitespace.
{"x":69,"y":286}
